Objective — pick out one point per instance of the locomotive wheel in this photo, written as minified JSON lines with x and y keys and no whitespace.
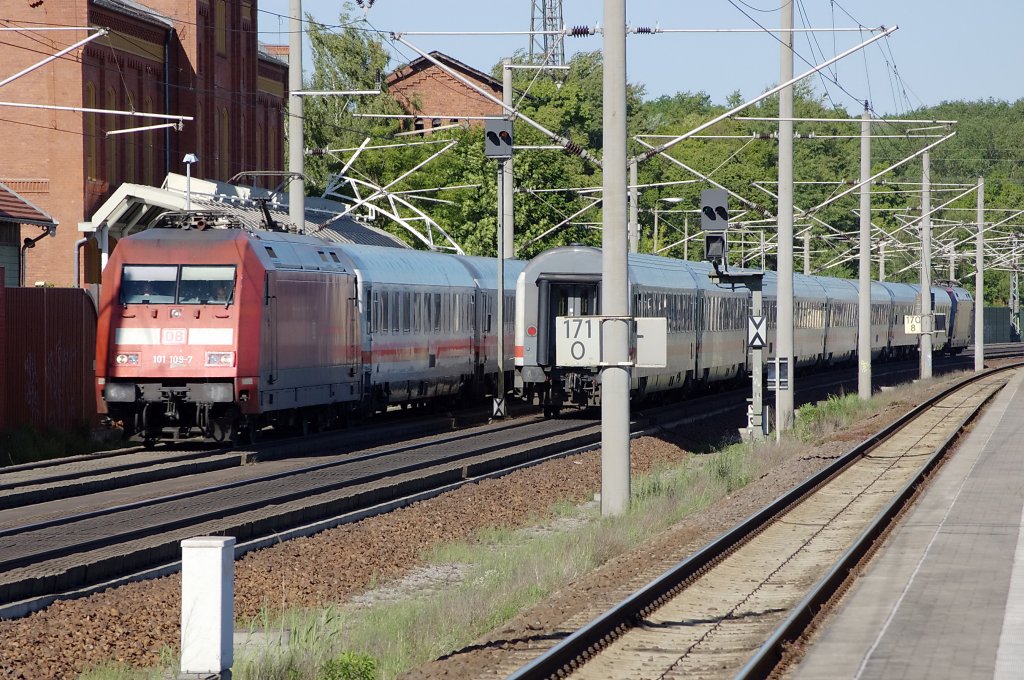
{"x":248,"y":432}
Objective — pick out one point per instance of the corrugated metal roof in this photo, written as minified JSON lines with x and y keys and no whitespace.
{"x":17,"y":209}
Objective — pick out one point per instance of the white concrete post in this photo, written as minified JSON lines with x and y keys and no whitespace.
{"x":207,"y":604}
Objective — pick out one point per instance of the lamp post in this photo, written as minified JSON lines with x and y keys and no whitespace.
{"x":188,"y":160}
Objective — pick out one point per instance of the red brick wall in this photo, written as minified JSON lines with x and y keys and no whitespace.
{"x":61,"y":161}
{"x":439,"y":94}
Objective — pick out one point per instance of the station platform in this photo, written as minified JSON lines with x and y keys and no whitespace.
{"x":944,"y":597}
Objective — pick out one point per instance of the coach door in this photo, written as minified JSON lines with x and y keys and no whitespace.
{"x":562,"y":299}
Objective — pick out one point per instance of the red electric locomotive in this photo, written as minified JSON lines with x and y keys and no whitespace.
{"x":203,"y":331}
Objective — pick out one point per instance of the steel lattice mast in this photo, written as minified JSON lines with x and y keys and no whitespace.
{"x":545,"y":46}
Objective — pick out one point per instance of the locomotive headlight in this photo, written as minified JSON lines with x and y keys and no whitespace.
{"x":175,"y":313}
{"x":220,"y":358}
{"x":127,"y":359}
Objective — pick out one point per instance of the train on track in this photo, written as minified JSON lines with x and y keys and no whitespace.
{"x":218,"y":331}
{"x":707,"y":323}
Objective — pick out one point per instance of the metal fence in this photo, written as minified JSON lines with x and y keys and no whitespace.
{"x":997,"y":325}
{"x":47,"y":373}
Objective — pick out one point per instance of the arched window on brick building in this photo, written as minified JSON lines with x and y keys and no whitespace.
{"x":273,"y":143}
{"x":224,"y":147}
{"x":258,"y":145}
{"x":131,"y":147}
{"x":91,"y":134}
{"x":199,"y":122}
{"x":149,"y":148}
{"x":243,"y":148}
{"x":111,"y":164}
{"x":220,"y":21}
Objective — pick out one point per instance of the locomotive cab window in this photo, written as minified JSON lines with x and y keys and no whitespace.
{"x":147,"y":284}
{"x":188,"y":284}
{"x":206,"y":285}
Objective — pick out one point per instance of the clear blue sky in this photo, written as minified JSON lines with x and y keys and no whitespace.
{"x":943,"y":50}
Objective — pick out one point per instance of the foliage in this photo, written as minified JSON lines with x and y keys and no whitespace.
{"x":349,"y":666}
{"x":555,"y":190}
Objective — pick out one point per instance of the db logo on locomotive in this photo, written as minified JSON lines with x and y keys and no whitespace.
{"x":174,"y":336}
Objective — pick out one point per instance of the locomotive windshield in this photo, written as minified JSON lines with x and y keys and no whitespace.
{"x":185,"y":285}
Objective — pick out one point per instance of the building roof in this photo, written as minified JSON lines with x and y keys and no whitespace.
{"x":273,"y":53}
{"x":17,"y":209}
{"x":412,"y":67}
{"x":134,"y":207}
{"x":136,"y":10}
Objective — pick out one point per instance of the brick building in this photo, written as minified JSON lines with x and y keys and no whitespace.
{"x":436,"y":97}
{"x":196,"y":58}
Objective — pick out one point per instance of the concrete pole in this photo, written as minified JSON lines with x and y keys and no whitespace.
{"x":686,"y":237}
{"x":807,"y":252}
{"x":207,"y":605}
{"x":296,"y":142}
{"x":634,"y":209}
{"x":784,"y":411}
{"x":979,"y":283}
{"x":864,"y":278}
{"x":615,"y":481}
{"x":499,"y":399}
{"x":926,"y":267}
{"x":508,"y":186}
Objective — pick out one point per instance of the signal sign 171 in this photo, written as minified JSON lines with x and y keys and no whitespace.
{"x":577,"y":341}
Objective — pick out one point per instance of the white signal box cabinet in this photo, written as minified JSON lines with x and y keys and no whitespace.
{"x":651,"y":342}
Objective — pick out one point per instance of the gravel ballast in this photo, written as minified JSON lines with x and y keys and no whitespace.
{"x":137,"y":623}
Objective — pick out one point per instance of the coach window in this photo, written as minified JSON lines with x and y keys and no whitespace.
{"x":406,"y":312}
{"x":385,"y":312}
{"x":394,"y":311}
{"x":146,"y":284}
{"x":371,"y":310}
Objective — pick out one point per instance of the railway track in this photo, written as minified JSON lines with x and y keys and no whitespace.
{"x":54,"y":553}
{"x":728,"y":610}
{"x":42,"y":559}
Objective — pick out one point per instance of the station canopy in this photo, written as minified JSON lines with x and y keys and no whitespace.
{"x":16,"y":209}
{"x":136,"y":207}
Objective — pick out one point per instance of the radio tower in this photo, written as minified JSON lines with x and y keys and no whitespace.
{"x":546,"y":48}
